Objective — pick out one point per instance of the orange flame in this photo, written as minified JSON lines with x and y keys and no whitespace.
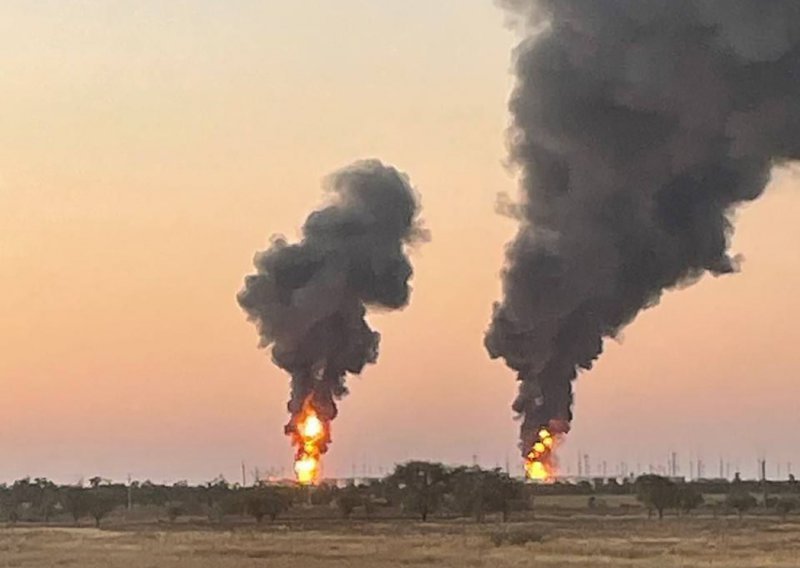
{"x":539,"y":463}
{"x":310,"y":435}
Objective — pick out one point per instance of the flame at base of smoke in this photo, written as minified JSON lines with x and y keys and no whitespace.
{"x":310,"y":436}
{"x":540,"y":464}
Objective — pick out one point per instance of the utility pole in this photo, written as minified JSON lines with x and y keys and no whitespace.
{"x":130,"y":494}
{"x":244,"y":476}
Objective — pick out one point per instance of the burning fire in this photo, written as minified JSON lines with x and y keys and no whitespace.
{"x":539,"y":464}
{"x":310,"y":435}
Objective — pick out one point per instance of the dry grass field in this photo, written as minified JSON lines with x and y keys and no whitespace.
{"x":575,"y":540}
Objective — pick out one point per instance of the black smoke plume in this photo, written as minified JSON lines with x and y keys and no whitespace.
{"x":309,"y":299}
{"x":638,"y":126}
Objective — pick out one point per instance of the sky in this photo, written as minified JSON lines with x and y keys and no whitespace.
{"x":150,"y":148}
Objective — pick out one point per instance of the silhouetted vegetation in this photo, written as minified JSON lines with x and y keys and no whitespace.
{"x":786,"y":505}
{"x":741,"y":501}
{"x":420,"y":486}
{"x":689,"y":497}
{"x":414,"y":489}
{"x":477,"y":492}
{"x":264,"y":501}
{"x":656,"y":493}
{"x":348,"y":499}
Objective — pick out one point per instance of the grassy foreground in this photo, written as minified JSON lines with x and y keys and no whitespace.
{"x":577,"y":541}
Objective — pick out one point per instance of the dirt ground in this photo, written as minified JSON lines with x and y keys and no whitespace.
{"x":577,"y":541}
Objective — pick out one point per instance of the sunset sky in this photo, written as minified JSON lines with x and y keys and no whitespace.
{"x":149,"y":148}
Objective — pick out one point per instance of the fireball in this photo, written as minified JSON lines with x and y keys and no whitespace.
{"x":536,"y":470}
{"x":306,"y":470}
{"x":312,"y":427}
{"x":310,"y":436}
{"x":540,"y":463}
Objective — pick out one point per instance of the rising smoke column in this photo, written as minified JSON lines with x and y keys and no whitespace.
{"x":309,"y":300}
{"x":638,"y":126}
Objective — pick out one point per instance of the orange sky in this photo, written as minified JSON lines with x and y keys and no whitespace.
{"x":149,"y":149}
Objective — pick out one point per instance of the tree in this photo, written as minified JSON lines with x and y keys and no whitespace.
{"x":322,"y":494}
{"x":148,"y":493}
{"x":741,"y":501}
{"x":347,"y":500}
{"x":464,"y":487}
{"x":215,"y":491}
{"x":263,"y":502}
{"x":8,"y":503}
{"x":503,"y":493}
{"x":5,"y":499}
{"x":100,"y":502}
{"x":477,"y":492}
{"x":74,"y":501}
{"x":22,"y":495}
{"x":45,"y":498}
{"x":214,"y":494}
{"x":420,"y":486}
{"x":689,"y":498}
{"x":656,"y":493}
{"x":786,"y":505}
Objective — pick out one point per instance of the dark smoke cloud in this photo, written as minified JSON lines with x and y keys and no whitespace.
{"x":638,"y":126}
{"x":309,"y":299}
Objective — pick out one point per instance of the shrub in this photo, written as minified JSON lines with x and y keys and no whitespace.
{"x":266,"y":502}
{"x":348,"y":500}
{"x":741,"y":502}
{"x":786,"y":505}
{"x":656,"y":493}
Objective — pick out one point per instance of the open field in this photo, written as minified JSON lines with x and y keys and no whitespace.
{"x":574,"y":541}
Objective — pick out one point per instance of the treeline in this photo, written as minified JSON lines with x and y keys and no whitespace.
{"x":415,"y":489}
{"x":659,"y":493}
{"x":627,"y":486}
{"x":418,"y":489}
{"x":41,"y":500}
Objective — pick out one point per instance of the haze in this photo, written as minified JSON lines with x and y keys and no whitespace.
{"x":149,"y":149}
